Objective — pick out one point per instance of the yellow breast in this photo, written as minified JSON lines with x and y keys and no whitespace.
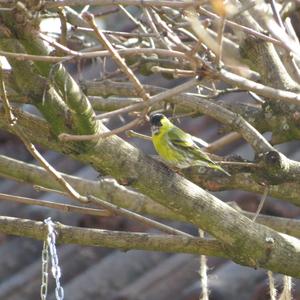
{"x":165,"y":150}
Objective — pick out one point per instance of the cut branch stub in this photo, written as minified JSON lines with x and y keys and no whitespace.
{"x":273,"y":158}
{"x":275,"y":168}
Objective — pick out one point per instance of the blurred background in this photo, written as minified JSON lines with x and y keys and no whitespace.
{"x":100,"y":273}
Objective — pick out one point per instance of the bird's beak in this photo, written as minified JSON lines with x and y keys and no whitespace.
{"x":154,"y":129}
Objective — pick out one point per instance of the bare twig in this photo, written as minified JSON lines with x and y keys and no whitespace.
{"x":89,"y":18}
{"x":35,"y":153}
{"x":286,"y":293}
{"x":119,"y":33}
{"x":63,"y":26}
{"x":272,"y":287}
{"x":74,"y":54}
{"x":261,"y":203}
{"x":221,"y":29}
{"x":260,"y":89}
{"x":153,"y":28}
{"x":136,"y":217}
{"x":203,"y":272}
{"x":223,"y":141}
{"x":239,"y":164}
{"x":133,"y":134}
{"x":241,"y":27}
{"x":138,"y":24}
{"x":90,"y":137}
{"x":8,"y":110}
{"x":59,"y":206}
{"x":24,"y":56}
{"x":123,"y":66}
{"x":276,"y":13}
{"x":61,"y":47}
{"x":143,"y":3}
{"x":153,"y":99}
{"x":175,"y":72}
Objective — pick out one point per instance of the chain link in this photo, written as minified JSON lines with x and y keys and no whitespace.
{"x":50,"y":246}
{"x":44,"y":286}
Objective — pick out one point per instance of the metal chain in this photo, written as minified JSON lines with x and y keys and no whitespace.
{"x":45,"y":257}
{"x":50,"y":245}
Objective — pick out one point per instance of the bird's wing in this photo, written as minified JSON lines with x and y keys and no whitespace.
{"x":179,"y":138}
{"x":184,"y":141}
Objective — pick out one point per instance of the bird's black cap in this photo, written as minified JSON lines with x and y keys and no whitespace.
{"x":155,"y":119}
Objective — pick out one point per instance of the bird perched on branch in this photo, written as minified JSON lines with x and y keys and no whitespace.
{"x":177,"y":147}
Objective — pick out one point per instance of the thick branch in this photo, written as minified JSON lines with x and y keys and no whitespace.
{"x":198,"y":206}
{"x":38,"y":132}
{"x":288,"y":191}
{"x":262,"y":56}
{"x":246,"y":242}
{"x":111,"y":239}
{"x":260,"y":89}
{"x":51,"y":88}
{"x":108,"y":189}
{"x":111,"y":191}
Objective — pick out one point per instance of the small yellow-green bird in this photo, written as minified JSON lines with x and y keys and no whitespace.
{"x":177,"y":147}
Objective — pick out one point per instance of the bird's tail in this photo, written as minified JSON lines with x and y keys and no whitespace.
{"x":219,"y":168}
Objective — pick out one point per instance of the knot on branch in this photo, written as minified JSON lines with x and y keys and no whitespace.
{"x":277,"y":162}
{"x":270,"y":243}
{"x":275,"y":167}
{"x":272,"y":158}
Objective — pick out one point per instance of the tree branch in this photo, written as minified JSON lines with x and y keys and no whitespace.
{"x":111,"y":191}
{"x":111,"y":239}
{"x":38,"y":132}
{"x":244,"y":241}
{"x":107,"y":189}
{"x":143,"y":3}
{"x":55,"y":205}
{"x":194,"y":103}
